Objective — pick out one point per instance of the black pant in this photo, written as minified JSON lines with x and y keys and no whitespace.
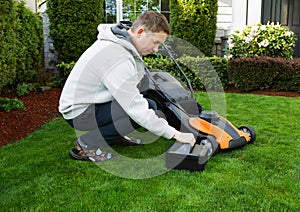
{"x":105,"y":123}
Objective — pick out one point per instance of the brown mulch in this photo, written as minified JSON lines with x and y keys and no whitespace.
{"x":41,"y":107}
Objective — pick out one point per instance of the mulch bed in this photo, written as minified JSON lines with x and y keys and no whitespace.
{"x":41,"y":107}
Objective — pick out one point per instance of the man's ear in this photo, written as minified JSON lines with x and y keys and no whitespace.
{"x":140,"y":31}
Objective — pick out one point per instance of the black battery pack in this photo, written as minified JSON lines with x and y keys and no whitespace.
{"x":184,"y":157}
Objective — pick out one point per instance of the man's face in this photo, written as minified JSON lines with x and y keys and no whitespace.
{"x":148,"y":42}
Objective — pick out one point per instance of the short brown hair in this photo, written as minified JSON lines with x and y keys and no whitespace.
{"x":153,"y":21}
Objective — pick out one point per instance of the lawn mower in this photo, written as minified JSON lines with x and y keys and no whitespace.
{"x":179,"y":107}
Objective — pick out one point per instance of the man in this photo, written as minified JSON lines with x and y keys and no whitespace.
{"x":101,"y":95}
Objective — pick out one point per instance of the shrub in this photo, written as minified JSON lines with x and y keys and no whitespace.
{"x":24,"y":88}
{"x":211,"y":71}
{"x":21,"y":41}
{"x":7,"y":104}
{"x":160,"y":63}
{"x":73,"y":25}
{"x":30,"y":36}
{"x":195,"y":21}
{"x":208,"y":71}
{"x":261,"y":40}
{"x":8,"y":43}
{"x":64,"y":70}
{"x":261,"y":73}
{"x":220,"y":65}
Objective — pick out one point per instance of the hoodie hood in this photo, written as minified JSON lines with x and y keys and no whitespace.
{"x":117,"y":33}
{"x":120,"y":30}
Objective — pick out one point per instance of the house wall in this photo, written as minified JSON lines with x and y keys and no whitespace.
{"x":224,"y":18}
{"x":31,"y":4}
{"x":254,"y":11}
{"x":234,"y":15}
{"x":224,"y":23}
{"x":245,"y":12}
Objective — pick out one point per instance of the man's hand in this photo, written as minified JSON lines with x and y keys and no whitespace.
{"x":185,"y":138}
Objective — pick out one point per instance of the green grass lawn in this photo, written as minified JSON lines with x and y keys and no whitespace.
{"x":37,"y":174}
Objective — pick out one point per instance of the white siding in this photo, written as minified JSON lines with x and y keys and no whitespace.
{"x":254,"y":11}
{"x":31,"y":4}
{"x":224,"y":18}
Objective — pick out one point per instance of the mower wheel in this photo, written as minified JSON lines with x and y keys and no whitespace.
{"x":212,"y":145}
{"x":250,"y":131}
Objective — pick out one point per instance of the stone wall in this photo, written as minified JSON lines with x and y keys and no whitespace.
{"x":50,"y":56}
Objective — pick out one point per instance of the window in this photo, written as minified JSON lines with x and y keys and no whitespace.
{"x":131,"y":9}
{"x":110,"y":11}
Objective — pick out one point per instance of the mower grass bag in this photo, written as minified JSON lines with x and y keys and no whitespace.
{"x":183,"y":112}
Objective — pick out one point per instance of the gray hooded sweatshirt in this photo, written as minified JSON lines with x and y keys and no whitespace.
{"x":111,"y":69}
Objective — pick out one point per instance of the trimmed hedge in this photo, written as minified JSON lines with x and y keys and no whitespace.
{"x":204,"y":73}
{"x":73,"y":26}
{"x":195,"y":21}
{"x":8,"y":43}
{"x":262,"y":73}
{"x":30,"y":35}
{"x":21,"y":40}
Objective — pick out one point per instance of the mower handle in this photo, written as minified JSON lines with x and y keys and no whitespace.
{"x":180,"y":69}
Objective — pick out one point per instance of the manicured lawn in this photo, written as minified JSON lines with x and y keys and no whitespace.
{"x":36,"y":173}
